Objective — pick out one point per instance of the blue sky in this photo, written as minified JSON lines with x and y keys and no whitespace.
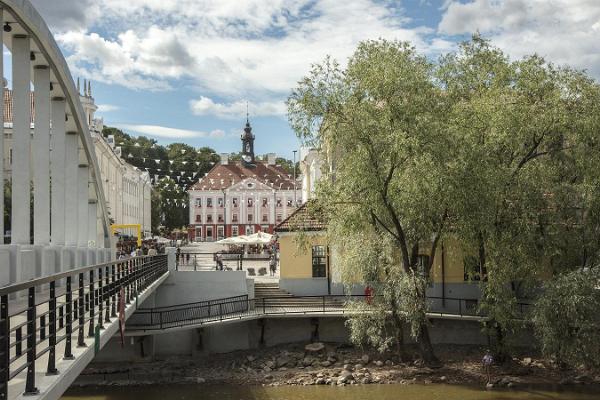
{"x":183,"y":70}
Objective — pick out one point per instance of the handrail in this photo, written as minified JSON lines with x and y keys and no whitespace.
{"x":90,"y":299}
{"x":16,"y":287}
{"x":204,"y":302}
{"x":238,"y":307}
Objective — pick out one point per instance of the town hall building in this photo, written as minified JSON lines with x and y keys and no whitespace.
{"x":241,"y":197}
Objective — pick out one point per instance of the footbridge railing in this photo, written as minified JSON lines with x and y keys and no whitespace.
{"x":41,"y":318}
{"x":242,"y":307}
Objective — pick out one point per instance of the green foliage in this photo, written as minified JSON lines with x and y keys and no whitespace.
{"x":500,"y":155}
{"x":175,"y":157}
{"x":529,"y":161}
{"x":566,"y":318}
{"x":381,"y":122}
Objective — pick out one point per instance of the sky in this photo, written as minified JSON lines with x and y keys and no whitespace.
{"x":184,"y":70}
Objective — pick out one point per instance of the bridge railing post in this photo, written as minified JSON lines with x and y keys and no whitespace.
{"x":30,"y":388}
{"x":51,"y":370}
{"x":113,"y":291}
{"x":4,"y":347}
{"x":69,"y":321}
{"x":100,"y":299}
{"x":92,"y":301}
{"x":106,"y":294}
{"x":80,"y":313}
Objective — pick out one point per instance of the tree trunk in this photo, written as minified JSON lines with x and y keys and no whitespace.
{"x":500,"y":350}
{"x":403,"y":357}
{"x":426,"y":348}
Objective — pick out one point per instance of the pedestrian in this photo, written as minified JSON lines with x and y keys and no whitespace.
{"x":219,"y":262}
{"x":487,"y":362}
{"x":187,"y":258}
{"x":273,"y":265}
{"x":177,"y":255}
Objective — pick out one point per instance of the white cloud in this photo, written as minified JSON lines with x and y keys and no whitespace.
{"x":228,"y":49}
{"x":217,"y":134}
{"x":103,"y":108}
{"x":206,"y":106}
{"x":163,"y":131}
{"x":563,"y":31}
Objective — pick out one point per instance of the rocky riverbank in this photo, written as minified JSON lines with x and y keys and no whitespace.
{"x":329,"y":364}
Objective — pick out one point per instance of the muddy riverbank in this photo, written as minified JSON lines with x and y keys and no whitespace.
{"x":329,"y":364}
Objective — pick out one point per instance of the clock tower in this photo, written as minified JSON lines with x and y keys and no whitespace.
{"x":248,"y":145}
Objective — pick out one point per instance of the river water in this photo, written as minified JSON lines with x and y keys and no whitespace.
{"x":366,"y":392}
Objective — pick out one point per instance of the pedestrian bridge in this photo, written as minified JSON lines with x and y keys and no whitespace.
{"x":159,"y":320}
{"x":59,"y":289}
{"x":51,"y":327}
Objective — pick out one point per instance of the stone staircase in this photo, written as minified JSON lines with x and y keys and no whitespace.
{"x":273,"y":296}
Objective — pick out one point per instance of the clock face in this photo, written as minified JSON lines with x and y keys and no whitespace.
{"x":247,"y":158}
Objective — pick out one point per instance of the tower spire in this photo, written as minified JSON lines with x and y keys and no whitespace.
{"x":247,"y":114}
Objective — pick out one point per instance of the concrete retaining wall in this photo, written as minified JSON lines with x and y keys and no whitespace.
{"x":246,"y":335}
{"x":193,"y":286}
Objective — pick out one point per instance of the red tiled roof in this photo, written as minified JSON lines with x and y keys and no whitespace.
{"x":306,"y":218}
{"x":8,"y":105}
{"x":224,"y":176}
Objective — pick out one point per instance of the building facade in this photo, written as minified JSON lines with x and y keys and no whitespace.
{"x":241,"y":197}
{"x":127,"y":190}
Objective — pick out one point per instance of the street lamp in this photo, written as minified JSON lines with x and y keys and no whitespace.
{"x":294,"y":167}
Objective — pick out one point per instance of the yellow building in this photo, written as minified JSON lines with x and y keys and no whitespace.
{"x":305,"y":260}
{"x":307,"y":265}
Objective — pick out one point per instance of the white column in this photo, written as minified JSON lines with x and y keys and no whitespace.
{"x":1,"y":142}
{"x":92,"y":222}
{"x":41,"y":156}
{"x":21,"y":173}
{"x":57,"y":172}
{"x":71,"y":192}
{"x":83,"y":198}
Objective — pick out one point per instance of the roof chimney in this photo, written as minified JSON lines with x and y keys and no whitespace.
{"x":224,"y":158}
{"x":271,"y":157}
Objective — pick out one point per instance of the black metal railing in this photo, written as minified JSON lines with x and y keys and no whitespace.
{"x":203,"y":261}
{"x":38,"y":315}
{"x":239,"y":307}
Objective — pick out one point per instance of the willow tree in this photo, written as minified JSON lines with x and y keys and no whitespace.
{"x":390,"y":184}
{"x":529,"y":156}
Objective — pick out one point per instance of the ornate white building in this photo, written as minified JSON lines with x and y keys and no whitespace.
{"x":127,"y":189}
{"x":241,"y":198}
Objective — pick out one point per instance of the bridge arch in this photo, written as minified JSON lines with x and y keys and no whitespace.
{"x":47,"y":143}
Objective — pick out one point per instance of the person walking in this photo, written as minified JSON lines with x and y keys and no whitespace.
{"x":273,"y":265}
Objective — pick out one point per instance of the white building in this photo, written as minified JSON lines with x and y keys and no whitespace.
{"x":127,"y":190}
{"x":311,"y":164}
{"x":241,"y":198}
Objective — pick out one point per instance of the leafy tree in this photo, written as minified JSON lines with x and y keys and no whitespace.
{"x":501,"y":156}
{"x":567,"y":325}
{"x":529,"y":155}
{"x":381,"y":121}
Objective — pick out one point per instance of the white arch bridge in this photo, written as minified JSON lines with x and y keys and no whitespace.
{"x":58,"y":283}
